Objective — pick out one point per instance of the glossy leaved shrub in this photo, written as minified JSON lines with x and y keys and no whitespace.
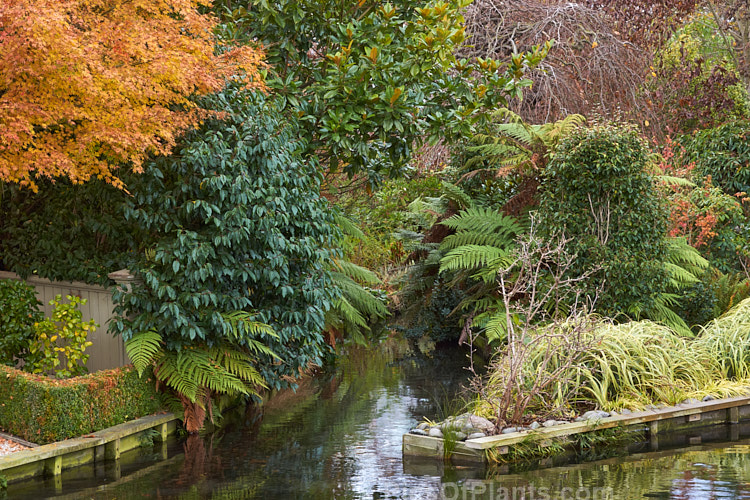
{"x":723,"y":153}
{"x":598,"y":193}
{"x":233,"y":222}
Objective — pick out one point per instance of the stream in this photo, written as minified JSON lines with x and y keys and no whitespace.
{"x":339,"y":437}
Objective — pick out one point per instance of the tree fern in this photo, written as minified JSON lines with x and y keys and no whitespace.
{"x":663,"y":312}
{"x":494,"y":323}
{"x":244,"y":328}
{"x":475,"y":238}
{"x":683,"y":264}
{"x":730,"y":289}
{"x":356,"y":272}
{"x":517,"y":145}
{"x":670,"y":180}
{"x":197,"y":372}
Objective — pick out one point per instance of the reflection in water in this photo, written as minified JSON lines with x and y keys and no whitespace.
{"x":340,"y":437}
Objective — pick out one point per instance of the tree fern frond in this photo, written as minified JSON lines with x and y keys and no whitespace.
{"x":257,"y":347}
{"x":680,"y":253}
{"x":474,"y":238}
{"x":456,"y":195}
{"x":679,"y":277}
{"x":143,"y":348}
{"x":470,"y":257}
{"x":483,"y":220}
{"x":496,"y":328}
{"x":238,"y":364}
{"x":357,"y":273}
{"x":430,"y":205}
{"x":552,"y":133}
{"x":348,"y":226}
{"x":349,"y":314}
{"x":168,"y":371}
{"x":243,"y":326}
{"x":663,"y":314}
{"x":524,"y":135}
{"x":407,"y":235}
{"x":359,"y":297}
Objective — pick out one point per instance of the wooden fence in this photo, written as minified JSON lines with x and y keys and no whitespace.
{"x":107,"y":351}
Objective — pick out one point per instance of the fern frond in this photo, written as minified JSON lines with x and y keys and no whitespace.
{"x":483,"y":220}
{"x":359,"y":297}
{"x":662,"y":313}
{"x":456,"y":195}
{"x":474,"y":238}
{"x":257,"y":347}
{"x":407,"y":235}
{"x":428,"y":205}
{"x":496,"y":328}
{"x":552,"y":133}
{"x":470,"y":257}
{"x":238,"y":364}
{"x":679,"y":277}
{"x":349,"y":314}
{"x":143,"y":348}
{"x":243,"y":327}
{"x":521,"y":133}
{"x":680,"y":253}
{"x":168,"y":371}
{"x":355,"y":272}
{"x":348,"y":226}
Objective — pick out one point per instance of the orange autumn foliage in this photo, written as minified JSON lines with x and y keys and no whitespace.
{"x":88,"y":86}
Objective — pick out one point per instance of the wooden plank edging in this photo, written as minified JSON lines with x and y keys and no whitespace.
{"x":89,"y":441}
{"x":608,"y":422}
{"x":417,"y":445}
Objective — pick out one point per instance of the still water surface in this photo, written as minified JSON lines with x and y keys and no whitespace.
{"x":339,"y":437}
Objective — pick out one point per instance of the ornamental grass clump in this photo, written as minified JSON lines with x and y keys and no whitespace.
{"x":727,"y":340}
{"x":630,"y":365}
{"x":641,"y":362}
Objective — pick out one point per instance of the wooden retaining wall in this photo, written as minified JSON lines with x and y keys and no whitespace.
{"x":107,"y":351}
{"x":108,"y":444}
{"x":681,"y":417}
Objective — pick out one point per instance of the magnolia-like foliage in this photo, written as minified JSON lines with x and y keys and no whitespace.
{"x":90,"y":85}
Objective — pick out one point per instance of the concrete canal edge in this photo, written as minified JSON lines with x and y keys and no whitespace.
{"x":675,"y":418}
{"x":107,"y":444}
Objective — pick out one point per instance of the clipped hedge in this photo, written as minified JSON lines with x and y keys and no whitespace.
{"x":44,"y":410}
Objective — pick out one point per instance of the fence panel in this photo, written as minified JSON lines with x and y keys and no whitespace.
{"x":107,"y":351}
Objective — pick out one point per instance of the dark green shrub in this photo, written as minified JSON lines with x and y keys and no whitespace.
{"x":18,"y":313}
{"x":44,"y":410}
{"x":64,"y":232}
{"x":597,"y":191}
{"x":233,"y":221}
{"x":724,"y":154}
{"x":435,"y":315}
{"x":698,"y":303}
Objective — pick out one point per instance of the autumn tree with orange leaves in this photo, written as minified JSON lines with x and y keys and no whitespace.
{"x":88,"y":87}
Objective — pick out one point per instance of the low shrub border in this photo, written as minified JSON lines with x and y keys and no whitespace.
{"x":44,"y":410}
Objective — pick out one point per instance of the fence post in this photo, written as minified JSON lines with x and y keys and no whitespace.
{"x":125,"y":280}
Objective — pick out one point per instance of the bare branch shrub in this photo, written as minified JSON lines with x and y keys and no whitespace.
{"x":549,"y":326}
{"x":591,"y":68}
